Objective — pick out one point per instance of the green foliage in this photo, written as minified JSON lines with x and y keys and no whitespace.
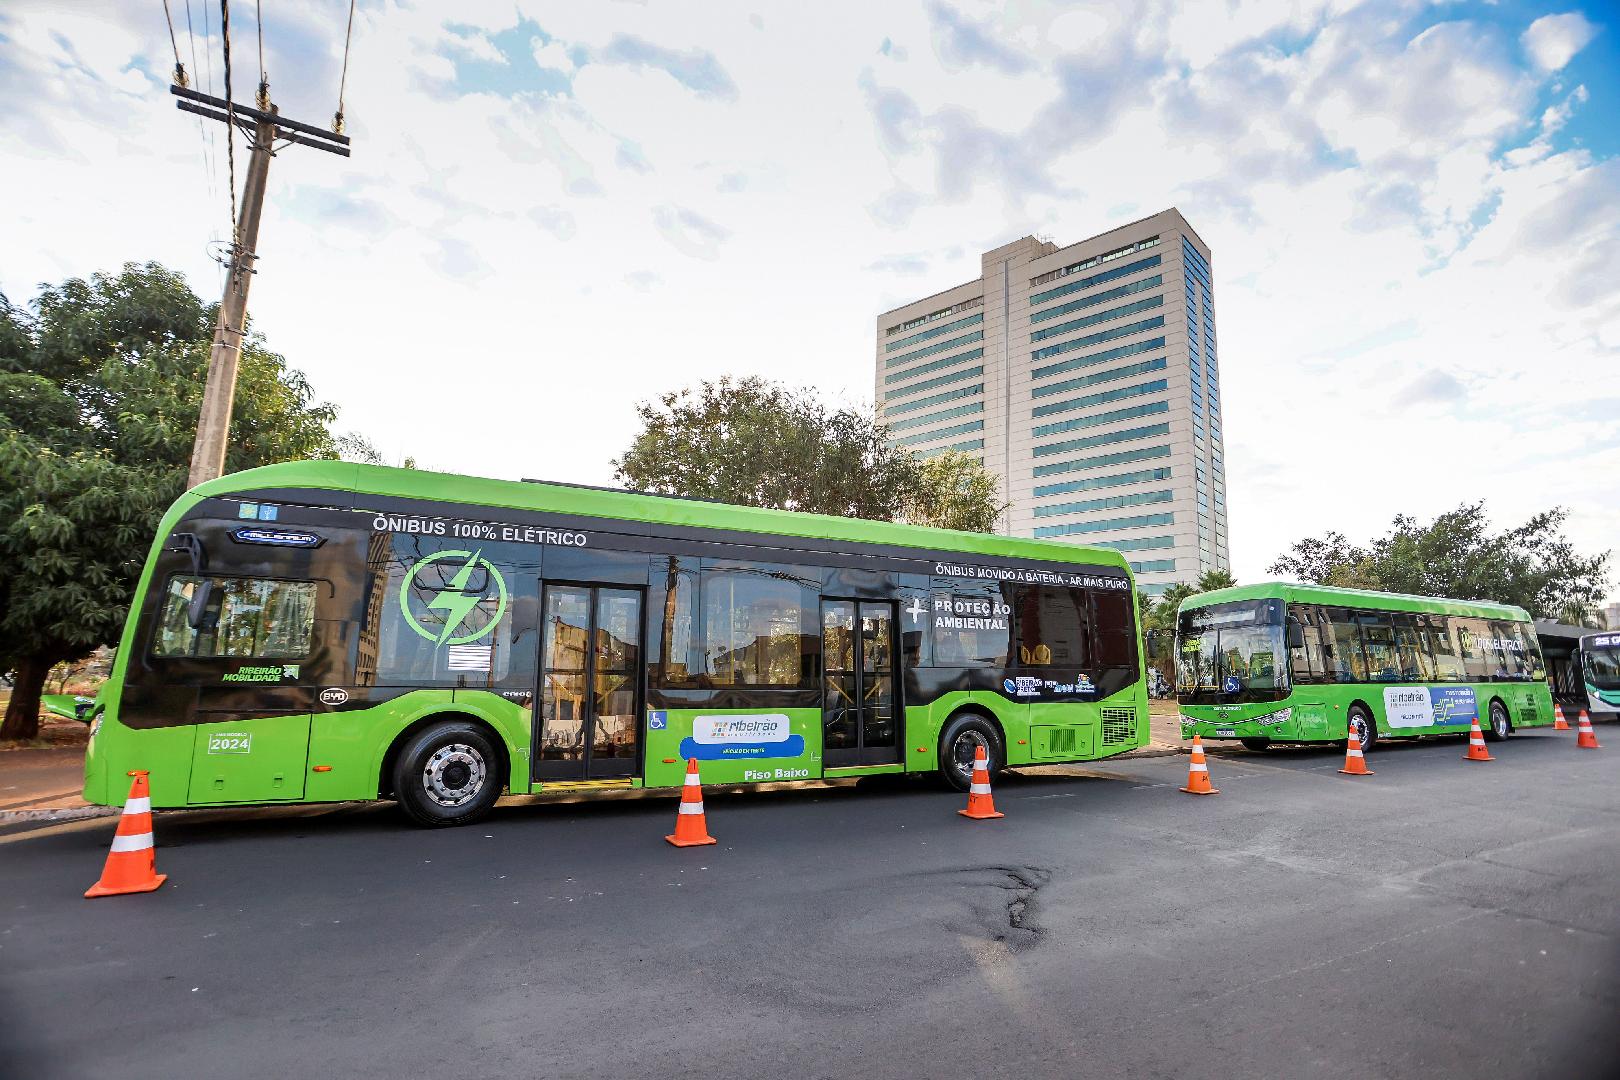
{"x":1457,"y":555}
{"x":1160,"y":613}
{"x":953,"y":491}
{"x":751,"y":442}
{"x":99,"y":393}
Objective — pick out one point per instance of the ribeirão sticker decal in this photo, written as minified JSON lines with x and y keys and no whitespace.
{"x":752,"y":735}
{"x":1433,"y":706}
{"x":457,"y":599}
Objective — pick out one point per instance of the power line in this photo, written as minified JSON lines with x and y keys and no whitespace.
{"x":343,"y":81}
{"x":230,"y":112}
{"x":208,"y":60}
{"x":264,"y":81}
{"x":202,"y":132}
{"x":179,"y":68}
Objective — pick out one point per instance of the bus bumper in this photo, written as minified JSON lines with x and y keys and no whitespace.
{"x":1278,"y":725}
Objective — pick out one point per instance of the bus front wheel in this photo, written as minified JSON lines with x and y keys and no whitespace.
{"x":959,"y":745}
{"x":449,"y":773}
{"x":1501,"y":727}
{"x":1364,"y":726}
{"x":1256,"y":744}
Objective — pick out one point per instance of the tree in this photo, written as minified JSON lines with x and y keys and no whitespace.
{"x":1210,"y":580}
{"x":99,"y":393}
{"x":953,"y":491}
{"x":1457,"y":555}
{"x":1582,"y":614}
{"x":751,"y":442}
{"x":1159,"y":613}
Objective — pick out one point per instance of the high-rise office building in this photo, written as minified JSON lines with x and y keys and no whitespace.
{"x":1085,"y":379}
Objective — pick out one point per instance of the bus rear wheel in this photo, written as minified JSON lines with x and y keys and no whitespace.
{"x":1364,"y":726}
{"x":1500,"y":725}
{"x":960,"y":743}
{"x":448,"y":773}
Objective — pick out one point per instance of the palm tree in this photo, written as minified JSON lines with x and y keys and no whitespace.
{"x":1211,"y":580}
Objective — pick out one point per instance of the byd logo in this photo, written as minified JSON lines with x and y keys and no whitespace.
{"x":334,"y":695}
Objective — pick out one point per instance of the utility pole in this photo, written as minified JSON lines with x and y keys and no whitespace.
{"x":219,"y":393}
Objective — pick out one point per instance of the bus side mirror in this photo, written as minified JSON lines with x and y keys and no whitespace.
{"x":197,"y":609}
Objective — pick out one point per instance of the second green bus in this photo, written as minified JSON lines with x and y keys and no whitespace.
{"x":1281,"y":663}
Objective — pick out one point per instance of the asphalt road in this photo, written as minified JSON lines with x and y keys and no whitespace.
{"x":1439,"y":919}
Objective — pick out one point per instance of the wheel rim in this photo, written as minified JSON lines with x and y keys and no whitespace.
{"x":965,"y":749}
{"x":1359,"y":725}
{"x":454,"y":775}
{"x":1499,"y":721}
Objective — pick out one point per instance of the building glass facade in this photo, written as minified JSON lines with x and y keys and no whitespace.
{"x":1061,"y":354}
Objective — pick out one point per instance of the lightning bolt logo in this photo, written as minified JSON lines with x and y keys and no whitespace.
{"x":454,"y":599}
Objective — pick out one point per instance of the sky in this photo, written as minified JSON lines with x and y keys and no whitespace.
{"x":556,"y":210}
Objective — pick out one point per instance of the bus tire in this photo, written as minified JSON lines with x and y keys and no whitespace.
{"x":958,"y":743}
{"x":449,"y":773}
{"x":1500,"y":725}
{"x":1256,"y":744}
{"x":1362,"y":722}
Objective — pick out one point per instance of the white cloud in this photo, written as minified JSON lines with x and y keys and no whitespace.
{"x":1394,"y":217}
{"x":553,"y":55}
{"x":1553,"y":40}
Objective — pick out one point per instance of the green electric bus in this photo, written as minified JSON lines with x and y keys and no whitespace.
{"x":325,"y":631}
{"x":1280,"y":663}
{"x":1600,"y":671}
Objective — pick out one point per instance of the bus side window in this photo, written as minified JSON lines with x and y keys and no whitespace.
{"x":245,"y":617}
{"x":1414,"y":660}
{"x":1049,"y":624}
{"x":1470,"y":635}
{"x":1448,"y":661}
{"x":1512,"y":657}
{"x":1311,"y":652}
{"x":1113,"y":629}
{"x":1378,"y":645}
{"x":1349,"y":666}
{"x":1538,"y":664}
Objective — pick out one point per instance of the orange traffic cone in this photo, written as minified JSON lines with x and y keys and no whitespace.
{"x":1198,"y":772}
{"x":1586,"y":738}
{"x":1559,"y":724}
{"x":132,"y":863}
{"x":691,"y":827}
{"x":1355,"y":762}
{"x":1476,"y":744}
{"x":980,"y":805}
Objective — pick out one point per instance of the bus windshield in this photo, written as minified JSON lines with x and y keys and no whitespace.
{"x":1231,"y":653}
{"x":1602,"y":665}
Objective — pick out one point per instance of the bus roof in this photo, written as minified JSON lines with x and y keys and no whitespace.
{"x":471,"y":491}
{"x":1355,"y":598}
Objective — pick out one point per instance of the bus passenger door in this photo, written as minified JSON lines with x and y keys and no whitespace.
{"x":859,"y":711}
{"x":590,"y":684}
